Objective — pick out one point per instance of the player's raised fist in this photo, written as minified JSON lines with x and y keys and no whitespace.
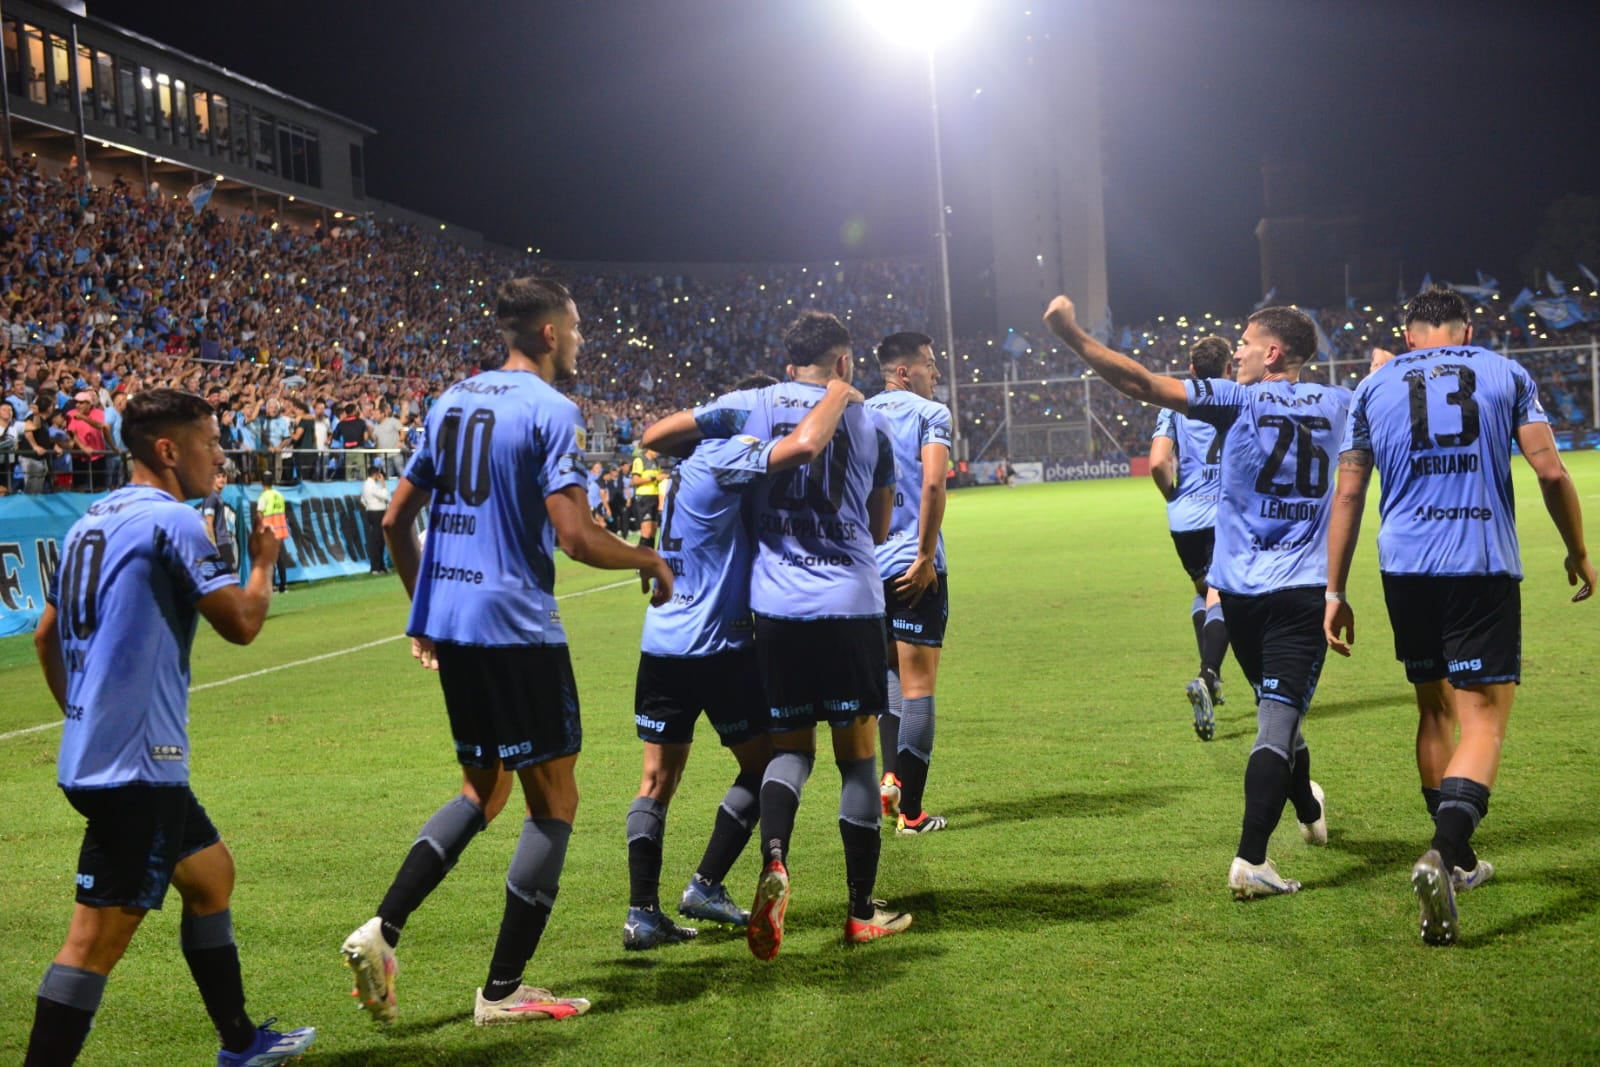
{"x":1061,"y":314}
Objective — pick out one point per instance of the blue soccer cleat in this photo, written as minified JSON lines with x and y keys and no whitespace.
{"x":710,"y":902}
{"x":270,"y":1047}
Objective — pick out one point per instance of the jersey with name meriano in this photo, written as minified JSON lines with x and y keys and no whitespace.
{"x":1197,"y":446}
{"x":1279,"y":443}
{"x":497,"y":445}
{"x":912,"y":422}
{"x":704,"y":541}
{"x":1439,"y":424}
{"x":814,"y":552}
{"x":132,"y":570}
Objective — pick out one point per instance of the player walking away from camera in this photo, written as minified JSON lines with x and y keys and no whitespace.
{"x":646,"y":477}
{"x":502,"y":474}
{"x":818,"y":607}
{"x":119,"y":620}
{"x":274,"y":511}
{"x":1438,"y":423}
{"x":1270,"y":563}
{"x":911,"y":563}
{"x":698,"y":653}
{"x":1185,"y":462}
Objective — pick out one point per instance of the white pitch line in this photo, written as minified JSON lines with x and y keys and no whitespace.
{"x":313,"y":659}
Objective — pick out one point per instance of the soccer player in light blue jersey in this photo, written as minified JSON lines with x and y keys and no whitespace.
{"x":120,"y":617}
{"x":697,"y":653}
{"x":1438,"y":423}
{"x":502,"y":474}
{"x":912,"y":565}
{"x":818,"y":605}
{"x":1186,"y":465}
{"x":1270,"y":562}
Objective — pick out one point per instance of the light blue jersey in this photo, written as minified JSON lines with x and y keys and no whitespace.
{"x":704,"y":541}
{"x":497,"y":445}
{"x":1197,"y":446}
{"x":595,"y":492}
{"x":912,"y":423}
{"x":1280,"y":439}
{"x":814,"y":552}
{"x":1439,"y":424}
{"x":131,"y":572}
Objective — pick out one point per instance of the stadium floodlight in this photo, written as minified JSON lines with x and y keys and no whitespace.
{"x":927,"y":24}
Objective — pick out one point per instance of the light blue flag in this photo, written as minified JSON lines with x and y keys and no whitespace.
{"x":1266,"y":301}
{"x":1481,"y":293}
{"x":1594,"y":283}
{"x":1524,"y":299}
{"x":1488,"y":282}
{"x":1126,"y":341}
{"x":1324,"y":343}
{"x":1553,"y":284}
{"x":1559,"y":312}
{"x":200,"y":195}
{"x":1427,"y":283}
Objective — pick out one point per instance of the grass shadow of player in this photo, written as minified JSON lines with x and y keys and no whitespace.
{"x":1570,"y":894}
{"x":1030,"y":905}
{"x":1066,"y":804}
{"x":1379,"y":858}
{"x":1333,"y":709}
{"x":555,"y":1041}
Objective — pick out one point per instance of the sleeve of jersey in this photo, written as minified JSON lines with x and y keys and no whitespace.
{"x":190,"y":557}
{"x":936,"y":428}
{"x":1164,"y":425}
{"x":559,"y":429}
{"x":1528,"y":409}
{"x":739,"y":460}
{"x":1357,"y":431}
{"x":419,"y":472}
{"x":726,"y":415}
{"x":883,"y":474}
{"x":1214,"y":400}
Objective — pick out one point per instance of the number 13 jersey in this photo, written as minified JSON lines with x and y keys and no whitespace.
{"x":814,"y":555}
{"x":1439,"y":424}
{"x":497,"y":444}
{"x":1277,"y":470}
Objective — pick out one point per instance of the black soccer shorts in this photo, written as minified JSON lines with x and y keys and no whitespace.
{"x":1467,"y":629}
{"x":1278,"y":642}
{"x":923,"y":624}
{"x":671,"y":691}
{"x":1194,"y":550}
{"x":514,"y":706}
{"x":822,"y":670}
{"x":136,"y":837}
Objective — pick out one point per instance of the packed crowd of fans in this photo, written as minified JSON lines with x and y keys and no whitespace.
{"x":311,"y":340}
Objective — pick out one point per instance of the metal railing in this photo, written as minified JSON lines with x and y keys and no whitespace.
{"x":21,"y":474}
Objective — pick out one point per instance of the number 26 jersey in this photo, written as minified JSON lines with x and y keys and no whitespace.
{"x":1277,"y":473}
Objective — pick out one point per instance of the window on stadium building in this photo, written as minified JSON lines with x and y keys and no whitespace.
{"x":200,"y":108}
{"x":299,"y":156}
{"x":60,"y":74}
{"x":220,"y":123}
{"x":13,"y":35}
{"x":147,"y":102}
{"x":105,"y":87}
{"x":128,"y":95}
{"x":262,"y":142}
{"x":33,"y":59}
{"x":164,"y":107}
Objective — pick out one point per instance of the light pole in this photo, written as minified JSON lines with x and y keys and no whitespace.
{"x":925,"y":23}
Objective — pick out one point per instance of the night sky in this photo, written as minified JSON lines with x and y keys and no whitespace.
{"x":749,"y":131}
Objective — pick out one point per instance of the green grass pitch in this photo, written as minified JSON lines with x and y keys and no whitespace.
{"x":1075,"y":910}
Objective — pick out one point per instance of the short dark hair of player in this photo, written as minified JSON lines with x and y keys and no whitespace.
{"x":899,"y":347}
{"x":155,"y":413}
{"x":756,"y":381}
{"x":1293,"y":328}
{"x":1437,"y":306}
{"x":814,"y":337}
{"x":1209,"y":357}
{"x":521,"y":307}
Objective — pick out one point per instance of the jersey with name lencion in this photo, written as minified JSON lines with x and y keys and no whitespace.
{"x":913,"y":423}
{"x":132,"y":570}
{"x":1280,"y":439}
{"x":1439,"y":424}
{"x":704,"y":541}
{"x":497,"y":445}
{"x":814,"y":555}
{"x":1198,"y":448}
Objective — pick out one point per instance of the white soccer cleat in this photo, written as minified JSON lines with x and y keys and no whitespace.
{"x":1463,"y":880}
{"x":1258,"y":880}
{"x":373,"y":961}
{"x":527,"y":1004}
{"x":1316,"y":833}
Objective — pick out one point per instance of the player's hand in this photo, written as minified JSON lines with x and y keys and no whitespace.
{"x":1339,"y":619}
{"x":918,"y":580}
{"x":1380,"y":356}
{"x":656,"y":580}
{"x":1581,"y":571}
{"x":1061,"y":316}
{"x":422,"y":651}
{"x":264,"y":545}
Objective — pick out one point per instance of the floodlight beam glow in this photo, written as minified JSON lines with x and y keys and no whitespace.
{"x":923,"y":23}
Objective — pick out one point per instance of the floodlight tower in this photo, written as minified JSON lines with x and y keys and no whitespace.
{"x":925,"y":24}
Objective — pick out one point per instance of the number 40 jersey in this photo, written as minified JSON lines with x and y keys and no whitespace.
{"x":1439,"y":424}
{"x":814,"y":556}
{"x":1277,"y":474}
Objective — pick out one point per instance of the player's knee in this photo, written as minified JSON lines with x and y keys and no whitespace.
{"x":1277,"y":726}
